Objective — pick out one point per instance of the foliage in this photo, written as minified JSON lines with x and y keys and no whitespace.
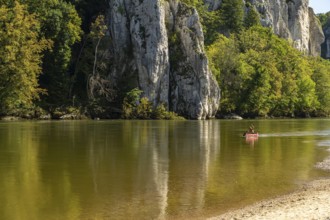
{"x":95,"y":81}
{"x":61,"y":24}
{"x":20,"y":57}
{"x":232,"y":15}
{"x":131,"y":101}
{"x":88,"y":10}
{"x":261,"y":74}
{"x":321,"y":76}
{"x":224,"y":62}
{"x":137,"y":107}
{"x":324,"y":18}
{"x":252,"y":18}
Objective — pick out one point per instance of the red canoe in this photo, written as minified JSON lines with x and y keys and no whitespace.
{"x":251,"y":135}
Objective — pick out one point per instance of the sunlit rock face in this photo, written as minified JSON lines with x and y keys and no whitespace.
{"x":290,"y":19}
{"x":141,"y":46}
{"x":192,"y":85}
{"x":294,"y":20}
{"x":175,"y":74}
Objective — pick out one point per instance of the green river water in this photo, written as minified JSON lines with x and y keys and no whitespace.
{"x":152,"y":169}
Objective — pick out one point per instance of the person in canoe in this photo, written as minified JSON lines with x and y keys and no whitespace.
{"x":250,"y":130}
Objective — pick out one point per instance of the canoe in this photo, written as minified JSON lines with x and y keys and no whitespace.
{"x":251,"y":135}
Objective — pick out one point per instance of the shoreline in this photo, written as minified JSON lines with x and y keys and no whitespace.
{"x":310,"y":201}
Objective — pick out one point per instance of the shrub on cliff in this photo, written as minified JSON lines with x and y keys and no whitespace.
{"x":137,"y":107}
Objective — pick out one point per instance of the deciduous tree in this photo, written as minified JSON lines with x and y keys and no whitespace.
{"x":20,"y":58}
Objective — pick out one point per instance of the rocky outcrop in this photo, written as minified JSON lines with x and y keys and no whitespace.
{"x":213,"y":4}
{"x":175,"y":74}
{"x":317,"y":36}
{"x":193,"y":88}
{"x":293,"y":19}
{"x":326,"y":45}
{"x":290,"y":19}
{"x":141,"y":46}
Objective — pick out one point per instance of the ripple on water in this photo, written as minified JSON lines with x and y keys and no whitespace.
{"x":325,"y":164}
{"x":324,"y":143}
{"x":299,"y":134}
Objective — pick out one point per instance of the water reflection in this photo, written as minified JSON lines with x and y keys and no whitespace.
{"x":23,"y":193}
{"x":161,"y":156}
{"x":149,"y":169}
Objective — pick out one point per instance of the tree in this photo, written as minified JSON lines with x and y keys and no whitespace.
{"x":321,"y":76}
{"x":61,"y":24}
{"x":88,"y":10}
{"x":20,"y":57}
{"x":225,"y":64}
{"x":232,"y":15}
{"x":261,"y":74}
{"x":324,"y":18}
{"x":252,"y":17}
{"x":95,"y":81}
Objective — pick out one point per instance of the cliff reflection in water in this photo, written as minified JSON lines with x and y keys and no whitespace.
{"x":157,"y":169}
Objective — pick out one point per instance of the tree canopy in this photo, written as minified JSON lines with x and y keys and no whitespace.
{"x":263,"y":75}
{"x":55,"y":53}
{"x":20,"y":58}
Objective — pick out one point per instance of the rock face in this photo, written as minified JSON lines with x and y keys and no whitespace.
{"x":193,"y":88}
{"x":174,"y":73}
{"x":158,"y":47}
{"x":293,"y":19}
{"x":141,"y":46}
{"x":326,"y":44}
{"x":290,"y":19}
{"x":213,"y":4}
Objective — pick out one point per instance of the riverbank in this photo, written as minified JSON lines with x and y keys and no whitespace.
{"x":311,"y":201}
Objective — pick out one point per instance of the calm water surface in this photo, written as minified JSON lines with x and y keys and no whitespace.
{"x":152,"y":169}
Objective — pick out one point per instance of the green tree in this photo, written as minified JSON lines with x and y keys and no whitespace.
{"x":261,"y":74}
{"x":61,"y":24}
{"x":20,"y":57}
{"x":321,"y":76}
{"x":324,"y":18}
{"x":225,"y":64}
{"x":232,"y":15}
{"x":252,"y":17}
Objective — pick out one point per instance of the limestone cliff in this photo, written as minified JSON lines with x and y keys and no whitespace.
{"x":290,"y":19}
{"x":293,"y":19}
{"x":176,"y":73}
{"x":326,"y":45}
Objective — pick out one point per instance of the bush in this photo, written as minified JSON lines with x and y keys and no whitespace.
{"x":136,"y":107}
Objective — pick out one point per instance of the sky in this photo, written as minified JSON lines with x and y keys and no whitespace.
{"x":320,"y":6}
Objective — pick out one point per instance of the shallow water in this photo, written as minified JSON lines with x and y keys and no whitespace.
{"x":152,"y":169}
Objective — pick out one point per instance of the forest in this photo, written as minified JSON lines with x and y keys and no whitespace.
{"x":51,"y":52}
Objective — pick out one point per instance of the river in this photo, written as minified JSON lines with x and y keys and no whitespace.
{"x":152,"y":169}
